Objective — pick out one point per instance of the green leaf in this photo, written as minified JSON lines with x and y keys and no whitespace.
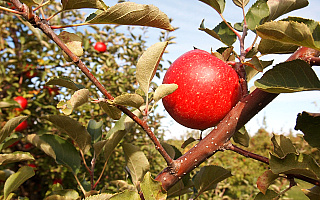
{"x":31,"y":3}
{"x":254,"y":66}
{"x":309,"y":124}
{"x":265,"y":180}
{"x":129,"y":13}
{"x":64,"y":82}
{"x":151,"y":189}
{"x":9,"y":103}
{"x":275,"y":47}
{"x":221,"y":32}
{"x":40,"y":144}
{"x":136,"y":162}
{"x":295,"y":164}
{"x":241,"y":137}
{"x":292,"y":76}
{"x":290,"y":32}
{"x":187,"y":142}
{"x":94,"y":128}
{"x":67,"y":194}
{"x":169,"y":149}
{"x":66,"y":154}
{"x":209,"y":176}
{"x":270,"y":194}
{"x":181,"y":188}
{"x":98,"y":146}
{"x":132,"y":100}
{"x":111,"y":110}
{"x":10,"y":126}
{"x":73,"y":128}
{"x":241,"y":3}
{"x":73,"y":42}
{"x":278,"y":8}
{"x":79,"y":98}
{"x":164,"y":90}
{"x":17,"y":156}
{"x":312,"y":193}
{"x":218,"y":5}
{"x":148,"y":63}
{"x":75,"y":4}
{"x":132,"y":195}
{"x":103,"y":196}
{"x":256,"y":13}
{"x":282,"y":145}
{"x":16,"y":179}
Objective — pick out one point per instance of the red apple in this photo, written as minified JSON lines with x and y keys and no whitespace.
{"x":23,"y":125}
{"x":208,"y":88}
{"x":100,"y":46}
{"x":56,"y":181}
{"x":22,"y":101}
{"x":30,"y":71}
{"x":52,"y":90}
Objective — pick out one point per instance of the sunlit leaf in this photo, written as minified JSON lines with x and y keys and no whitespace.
{"x":76,"y":4}
{"x":312,"y":193}
{"x":164,"y":90}
{"x":218,"y":5}
{"x":132,"y":195}
{"x":241,"y":137}
{"x":102,"y":196}
{"x":17,"y":156}
{"x":278,"y":8}
{"x":282,"y":145}
{"x":309,"y":124}
{"x":209,"y":176}
{"x":295,"y":164}
{"x":130,"y":13}
{"x":270,"y":194}
{"x":31,"y":3}
{"x":79,"y":98}
{"x":64,"y":82}
{"x":73,"y":42}
{"x":275,"y":47}
{"x":292,"y":76}
{"x":152,"y":189}
{"x":132,"y":100}
{"x":73,"y":128}
{"x":95,"y":130}
{"x":40,"y":144}
{"x":16,"y":179}
{"x":148,"y":63}
{"x":9,"y":103}
{"x":111,"y":110}
{"x":241,"y":3}
{"x":265,"y":180}
{"x":256,"y":13}
{"x":136,"y":162}
{"x":64,"y":194}
{"x":10,"y":126}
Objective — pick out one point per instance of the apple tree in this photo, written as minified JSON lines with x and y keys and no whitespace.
{"x":47,"y":49}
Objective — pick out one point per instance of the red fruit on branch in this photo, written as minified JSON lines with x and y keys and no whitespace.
{"x":100,"y":46}
{"x":208,"y":88}
{"x":56,"y":181}
{"x":30,"y":71}
{"x":22,"y":126}
{"x":52,"y":90}
{"x":22,"y":101}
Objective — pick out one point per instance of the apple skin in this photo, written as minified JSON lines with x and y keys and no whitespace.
{"x":100,"y":46}
{"x":22,"y":126}
{"x":22,"y":101}
{"x":208,"y":88}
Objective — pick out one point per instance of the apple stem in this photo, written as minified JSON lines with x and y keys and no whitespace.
{"x":239,"y":68}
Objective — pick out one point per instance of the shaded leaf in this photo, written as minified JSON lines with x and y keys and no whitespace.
{"x":111,"y":110}
{"x":73,"y":128}
{"x":66,"y":194}
{"x":180,"y":188}
{"x":129,"y":13}
{"x":66,"y":154}
{"x":64,"y":82}
{"x":275,"y":47}
{"x":132,"y":100}
{"x":312,"y":193}
{"x":241,"y":137}
{"x":309,"y":124}
{"x":16,"y":179}
{"x":76,"y":4}
{"x":98,"y":146}
{"x":282,"y":145}
{"x":187,"y":142}
{"x":253,"y":51}
{"x":132,"y":195}
{"x":292,"y":76}
{"x":136,"y":161}
{"x":278,"y":8}
{"x":103,"y":196}
{"x":94,"y":128}
{"x":241,"y":3}
{"x":218,"y":5}
{"x":290,"y":32}
{"x":152,"y":189}
{"x":256,"y":13}
{"x":17,"y":156}
{"x":295,"y":164}
{"x":10,"y":126}
{"x":209,"y":176}
{"x":169,"y":149}
{"x":254,"y":66}
{"x":221,"y":32}
{"x":265,"y":180}
{"x":270,"y":194}
{"x":40,"y":144}
{"x":164,"y":90}
{"x":79,"y":98}
{"x":148,"y":63}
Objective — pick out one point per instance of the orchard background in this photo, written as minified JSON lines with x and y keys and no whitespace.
{"x":80,"y":143}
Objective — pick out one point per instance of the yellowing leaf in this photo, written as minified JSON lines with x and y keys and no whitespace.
{"x":76,"y":4}
{"x":111,"y":110}
{"x":265,"y":180}
{"x":148,"y":63}
{"x":152,"y":190}
{"x":17,"y":156}
{"x":73,"y":42}
{"x":132,"y":100}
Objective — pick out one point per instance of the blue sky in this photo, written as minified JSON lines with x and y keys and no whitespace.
{"x":280,"y":114}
